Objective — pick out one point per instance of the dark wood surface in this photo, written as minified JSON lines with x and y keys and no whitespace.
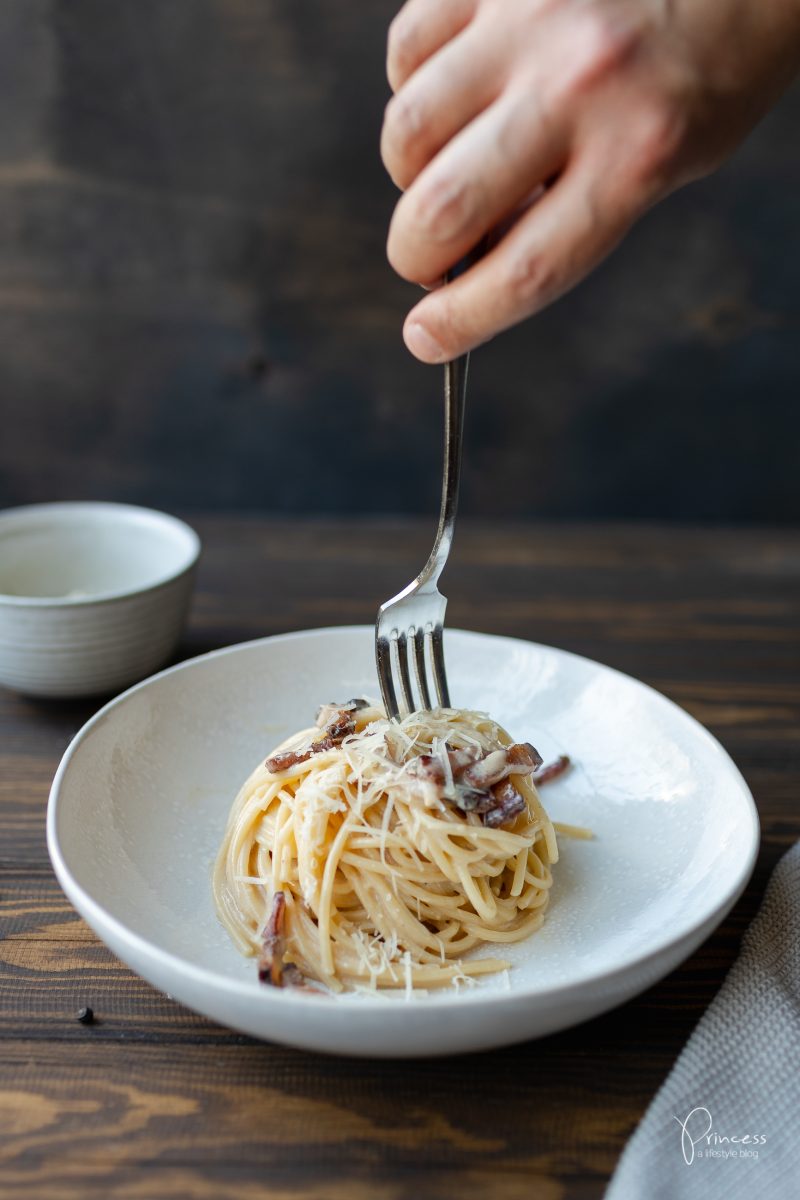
{"x":193,"y":282}
{"x":154,"y":1101}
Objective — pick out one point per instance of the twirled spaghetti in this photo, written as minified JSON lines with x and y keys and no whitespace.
{"x":376,"y":853}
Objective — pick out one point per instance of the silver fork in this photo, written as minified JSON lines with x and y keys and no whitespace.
{"x":409,"y":628}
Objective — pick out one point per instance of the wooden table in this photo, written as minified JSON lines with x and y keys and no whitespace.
{"x":153,"y":1101}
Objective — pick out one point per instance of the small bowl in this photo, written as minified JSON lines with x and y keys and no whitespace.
{"x":93,"y":596}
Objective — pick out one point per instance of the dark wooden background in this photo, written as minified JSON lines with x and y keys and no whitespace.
{"x":196,"y":310}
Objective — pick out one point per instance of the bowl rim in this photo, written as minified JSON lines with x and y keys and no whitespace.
{"x":137,"y":946}
{"x":61,"y":510}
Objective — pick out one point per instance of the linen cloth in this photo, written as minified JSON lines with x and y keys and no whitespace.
{"x":726,"y":1121}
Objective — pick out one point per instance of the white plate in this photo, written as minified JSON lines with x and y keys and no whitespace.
{"x":140,"y":800}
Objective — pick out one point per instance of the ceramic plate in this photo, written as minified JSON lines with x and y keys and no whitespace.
{"x":141,"y":797}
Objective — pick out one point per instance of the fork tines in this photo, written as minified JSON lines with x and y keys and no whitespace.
{"x":413,"y":651}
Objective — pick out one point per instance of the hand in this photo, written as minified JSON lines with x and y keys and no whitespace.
{"x":556,"y":124}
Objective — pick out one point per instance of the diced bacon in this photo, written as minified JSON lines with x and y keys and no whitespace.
{"x":427,"y":766}
{"x":270,"y":965}
{"x":509,"y":803}
{"x":552,"y":770}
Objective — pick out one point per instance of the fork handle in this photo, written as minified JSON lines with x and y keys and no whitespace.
{"x":455,"y":393}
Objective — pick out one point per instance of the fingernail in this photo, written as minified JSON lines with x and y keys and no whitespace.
{"x":423,"y":344}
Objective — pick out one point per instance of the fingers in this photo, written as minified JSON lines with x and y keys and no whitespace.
{"x":443,"y":96}
{"x":551,"y":248}
{"x":476,"y":181}
{"x":420,"y":29}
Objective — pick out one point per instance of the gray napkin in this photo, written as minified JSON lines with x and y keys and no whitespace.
{"x":731,"y":1104}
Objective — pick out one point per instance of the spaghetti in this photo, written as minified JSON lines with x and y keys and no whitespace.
{"x":376,"y":853}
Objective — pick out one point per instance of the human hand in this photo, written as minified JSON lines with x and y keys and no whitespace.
{"x":554,"y":125}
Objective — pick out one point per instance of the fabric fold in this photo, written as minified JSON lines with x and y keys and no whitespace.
{"x":725,"y":1122}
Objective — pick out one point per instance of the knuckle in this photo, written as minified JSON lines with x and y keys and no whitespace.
{"x":599,"y":45}
{"x":530,"y":277}
{"x":611,"y":40}
{"x":446,"y":207}
{"x":656,"y":145}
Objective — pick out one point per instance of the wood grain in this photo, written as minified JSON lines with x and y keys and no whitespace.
{"x":153,"y":1101}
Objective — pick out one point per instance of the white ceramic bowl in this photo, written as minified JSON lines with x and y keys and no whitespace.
{"x":139,"y":805}
{"x":93,"y":596}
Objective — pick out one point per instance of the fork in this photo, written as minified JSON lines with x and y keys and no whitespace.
{"x":409,"y":628}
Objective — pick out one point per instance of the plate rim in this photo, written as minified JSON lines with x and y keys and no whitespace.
{"x":347,"y":1003}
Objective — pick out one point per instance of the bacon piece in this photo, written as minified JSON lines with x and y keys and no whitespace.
{"x":478,"y":779}
{"x":284,"y":760}
{"x":508,"y":803}
{"x":271,"y":967}
{"x":326,"y":743}
{"x":337,"y":720}
{"x":518,"y":759}
{"x":474,"y":800}
{"x":552,"y":770}
{"x":427,"y":766}
{"x":339,"y":724}
{"x":523,"y":754}
{"x":270,"y":964}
